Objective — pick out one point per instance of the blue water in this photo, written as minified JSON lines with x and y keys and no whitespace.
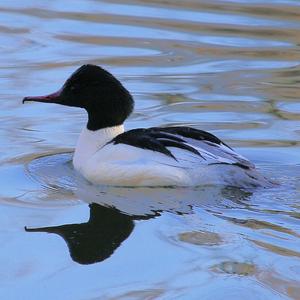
{"x":229,"y":67}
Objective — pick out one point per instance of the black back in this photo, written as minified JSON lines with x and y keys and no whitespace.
{"x":159,"y":138}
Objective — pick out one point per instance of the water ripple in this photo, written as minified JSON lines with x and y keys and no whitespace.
{"x":231,"y":67}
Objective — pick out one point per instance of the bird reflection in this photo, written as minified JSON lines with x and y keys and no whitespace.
{"x":97,"y":239}
{"x":108,"y":226}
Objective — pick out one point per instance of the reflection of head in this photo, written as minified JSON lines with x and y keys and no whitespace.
{"x":107,"y":227}
{"x":97,"y":239}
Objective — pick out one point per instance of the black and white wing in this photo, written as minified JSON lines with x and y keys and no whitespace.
{"x":182,"y":144}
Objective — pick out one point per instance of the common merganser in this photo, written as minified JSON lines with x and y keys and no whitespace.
{"x":157,"y":156}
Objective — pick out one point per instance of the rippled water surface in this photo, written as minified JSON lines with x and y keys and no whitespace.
{"x":231,"y":67}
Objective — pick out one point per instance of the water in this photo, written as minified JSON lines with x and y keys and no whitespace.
{"x":229,"y":67}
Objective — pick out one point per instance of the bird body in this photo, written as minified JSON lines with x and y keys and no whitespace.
{"x":157,"y":156}
{"x":134,"y":158}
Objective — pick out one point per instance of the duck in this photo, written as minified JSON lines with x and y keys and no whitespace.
{"x":106,"y":154}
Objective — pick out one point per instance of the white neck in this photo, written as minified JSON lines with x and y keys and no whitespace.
{"x":90,"y":142}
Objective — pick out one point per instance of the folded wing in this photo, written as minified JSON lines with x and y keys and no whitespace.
{"x":183,"y":144}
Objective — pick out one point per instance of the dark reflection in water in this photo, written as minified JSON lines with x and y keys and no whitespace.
{"x":107,"y":227}
{"x":97,"y":239}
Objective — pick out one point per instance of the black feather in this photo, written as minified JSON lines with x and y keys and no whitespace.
{"x":232,"y":164}
{"x":159,"y":139}
{"x":168,"y":143}
{"x":139,"y":138}
{"x":192,"y":133}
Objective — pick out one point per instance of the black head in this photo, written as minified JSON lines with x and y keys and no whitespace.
{"x":103,"y":96}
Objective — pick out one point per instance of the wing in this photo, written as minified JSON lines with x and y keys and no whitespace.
{"x":183,"y":144}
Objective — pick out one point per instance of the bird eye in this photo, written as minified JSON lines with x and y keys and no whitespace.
{"x":73,"y":87}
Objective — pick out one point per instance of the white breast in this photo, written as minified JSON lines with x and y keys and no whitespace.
{"x":90,"y":142}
